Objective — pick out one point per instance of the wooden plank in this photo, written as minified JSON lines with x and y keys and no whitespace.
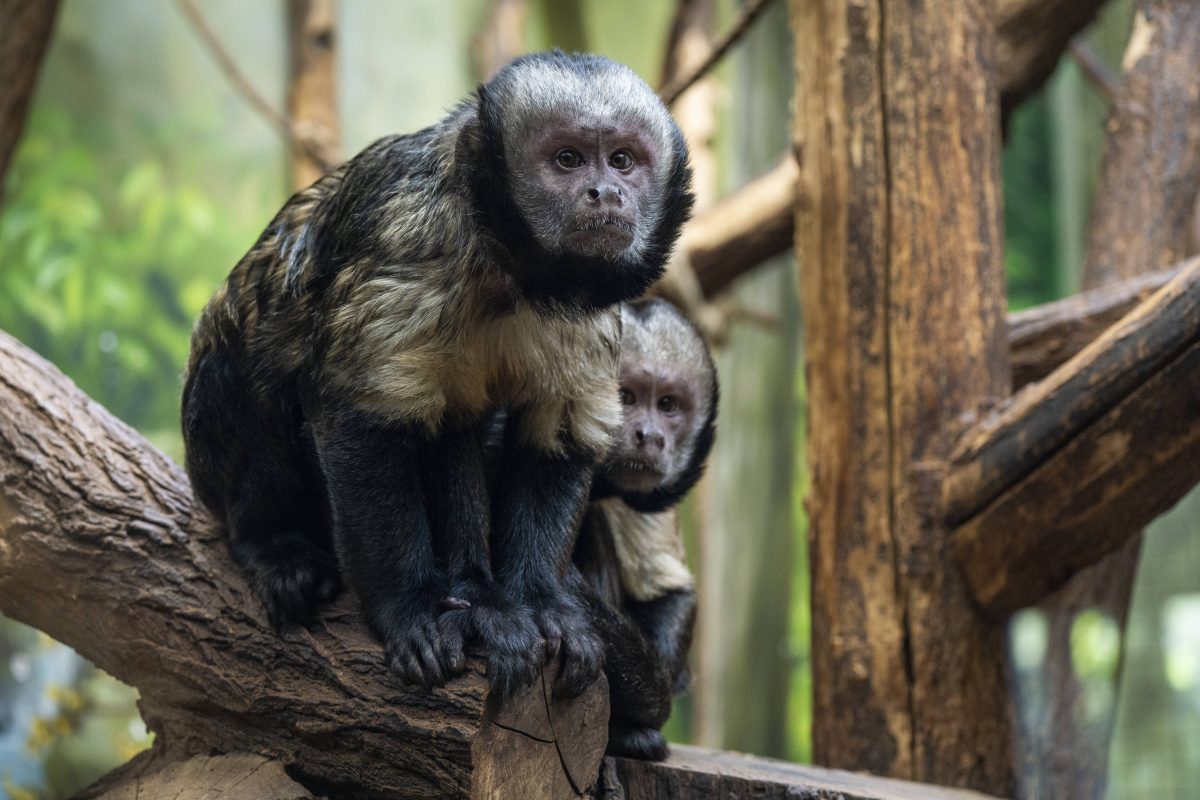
{"x":1090,"y":496}
{"x":898,"y":237}
{"x":1013,"y":440}
{"x":696,"y":773}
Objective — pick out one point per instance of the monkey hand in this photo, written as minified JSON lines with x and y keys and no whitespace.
{"x":570,"y":637}
{"x":644,"y":743}
{"x":293,"y":586}
{"x":418,"y":646}
{"x":505,"y":630}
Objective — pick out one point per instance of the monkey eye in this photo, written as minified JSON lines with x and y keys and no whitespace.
{"x":627,"y":398}
{"x":621,"y":160}
{"x":667,"y":404}
{"x":568,"y":158}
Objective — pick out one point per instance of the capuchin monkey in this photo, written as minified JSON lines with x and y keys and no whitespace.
{"x":629,"y":555}
{"x":339,"y":377}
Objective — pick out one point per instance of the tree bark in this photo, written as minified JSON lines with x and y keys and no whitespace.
{"x":1147,"y":191}
{"x":312,"y":87}
{"x":1043,"y":338}
{"x":103,"y":547}
{"x":25,"y":27}
{"x":898,"y":234}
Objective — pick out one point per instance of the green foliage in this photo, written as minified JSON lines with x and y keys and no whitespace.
{"x":104,"y":266}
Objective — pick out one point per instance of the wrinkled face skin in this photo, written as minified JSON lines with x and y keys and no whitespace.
{"x":662,"y":406}
{"x":589,"y":189}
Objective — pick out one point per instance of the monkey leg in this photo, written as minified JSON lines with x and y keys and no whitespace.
{"x":667,"y":623}
{"x":537,"y":507}
{"x":639,"y":684}
{"x":477,"y":608}
{"x":250,"y":466}
{"x":383,"y":537}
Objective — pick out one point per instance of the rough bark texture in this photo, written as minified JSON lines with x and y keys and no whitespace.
{"x":898,"y":234}
{"x":1030,"y":37}
{"x":1140,"y":220}
{"x":25,"y":27}
{"x":312,"y":87}
{"x":1076,"y":464}
{"x":1011,"y":442}
{"x":693,"y":772}
{"x":1043,"y":338}
{"x":103,"y":548}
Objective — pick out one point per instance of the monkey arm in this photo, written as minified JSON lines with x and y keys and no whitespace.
{"x":383,"y":538}
{"x":537,"y":505}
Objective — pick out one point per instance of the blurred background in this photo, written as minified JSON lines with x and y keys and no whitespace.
{"x":145,"y":172}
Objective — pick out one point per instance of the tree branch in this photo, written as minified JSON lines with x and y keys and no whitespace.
{"x":1074,"y":465}
{"x":312,"y":88}
{"x":1044,"y":337}
{"x":103,"y":548}
{"x":749,"y":13}
{"x":25,"y":27}
{"x":225,"y":62}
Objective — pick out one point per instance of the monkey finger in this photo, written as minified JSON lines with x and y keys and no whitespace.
{"x":454,"y":604}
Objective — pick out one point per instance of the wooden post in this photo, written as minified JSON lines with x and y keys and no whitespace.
{"x":312,"y":87}
{"x":899,"y":239}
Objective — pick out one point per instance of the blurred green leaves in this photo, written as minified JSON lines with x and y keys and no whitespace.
{"x":103,"y":266}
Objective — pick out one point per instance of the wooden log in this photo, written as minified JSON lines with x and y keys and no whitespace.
{"x":697,"y":773}
{"x":1043,"y":338}
{"x":1091,"y":496}
{"x":1011,"y":442}
{"x":898,"y":236}
{"x":103,"y":547}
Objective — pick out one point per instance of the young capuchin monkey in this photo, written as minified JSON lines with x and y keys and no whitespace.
{"x":639,"y":591}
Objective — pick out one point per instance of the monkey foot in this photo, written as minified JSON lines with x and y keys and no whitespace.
{"x":511,"y":640}
{"x":421,"y":649}
{"x":569,"y":636}
{"x":644,"y":743}
{"x":293,"y":587}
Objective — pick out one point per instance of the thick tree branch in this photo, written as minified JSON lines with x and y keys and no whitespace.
{"x":25,"y":27}
{"x":103,"y":548}
{"x":1074,"y":465}
{"x":1044,"y":337}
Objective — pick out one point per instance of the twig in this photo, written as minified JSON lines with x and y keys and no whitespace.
{"x":750,"y":12}
{"x":1094,"y":69}
{"x":281,"y":122}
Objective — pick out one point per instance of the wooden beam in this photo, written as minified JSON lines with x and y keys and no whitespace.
{"x":1075,"y":464}
{"x":103,"y":547}
{"x":312,"y":88}
{"x":700,"y":774}
{"x":900,"y":250}
{"x":1042,"y":338}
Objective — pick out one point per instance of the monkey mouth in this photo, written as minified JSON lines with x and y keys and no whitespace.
{"x":604,"y":235}
{"x":635,"y":473}
{"x":605,"y":223}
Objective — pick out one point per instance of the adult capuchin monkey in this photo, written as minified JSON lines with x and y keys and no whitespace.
{"x":339,"y":377}
{"x":630,"y":554}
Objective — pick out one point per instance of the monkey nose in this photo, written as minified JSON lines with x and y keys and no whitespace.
{"x":606,"y":195}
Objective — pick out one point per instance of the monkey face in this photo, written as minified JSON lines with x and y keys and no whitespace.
{"x":580,"y":176}
{"x":660,"y":405}
{"x":590,"y":188}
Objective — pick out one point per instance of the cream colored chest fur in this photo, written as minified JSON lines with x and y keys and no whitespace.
{"x":422,"y":359}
